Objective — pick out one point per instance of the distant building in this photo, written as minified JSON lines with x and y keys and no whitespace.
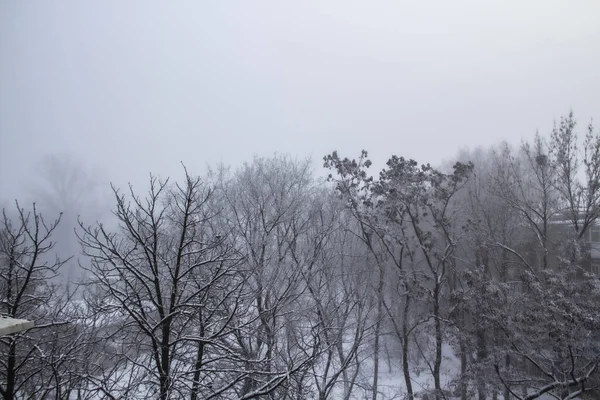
{"x":561,"y":230}
{"x":592,"y":239}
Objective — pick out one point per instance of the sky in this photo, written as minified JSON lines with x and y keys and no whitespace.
{"x":133,"y":87}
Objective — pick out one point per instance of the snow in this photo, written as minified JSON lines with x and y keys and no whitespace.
{"x":12,"y":325}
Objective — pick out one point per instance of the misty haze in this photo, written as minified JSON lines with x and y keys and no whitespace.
{"x":299,"y":200}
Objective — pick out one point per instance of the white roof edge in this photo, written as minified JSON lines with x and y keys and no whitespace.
{"x":12,"y":325}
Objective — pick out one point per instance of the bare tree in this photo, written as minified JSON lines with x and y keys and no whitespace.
{"x":526,"y":182}
{"x":180,"y":307}
{"x":487,"y":220}
{"x":532,"y":317}
{"x":33,"y":363}
{"x":577,"y":174}
{"x":331,"y":261}
{"x":169,"y":285}
{"x":268,"y":207}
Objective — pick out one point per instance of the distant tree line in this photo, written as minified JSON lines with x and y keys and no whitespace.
{"x":269,"y":283}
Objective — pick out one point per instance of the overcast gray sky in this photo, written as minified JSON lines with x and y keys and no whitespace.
{"x":140,"y":86}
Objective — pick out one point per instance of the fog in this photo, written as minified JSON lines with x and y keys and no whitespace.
{"x":251,"y":277}
{"x":130,"y":88}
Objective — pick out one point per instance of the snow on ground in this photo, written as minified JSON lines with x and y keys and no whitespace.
{"x":391,"y":381}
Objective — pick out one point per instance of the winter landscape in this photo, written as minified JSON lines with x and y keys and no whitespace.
{"x":319,"y":201}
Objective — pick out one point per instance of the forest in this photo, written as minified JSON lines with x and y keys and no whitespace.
{"x":473,"y":279}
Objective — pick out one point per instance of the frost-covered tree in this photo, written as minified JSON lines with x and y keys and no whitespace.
{"x":406,"y":218}
{"x":34,"y":364}
{"x":527,"y":303}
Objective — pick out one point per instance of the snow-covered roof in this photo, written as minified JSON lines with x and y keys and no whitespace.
{"x":12,"y":325}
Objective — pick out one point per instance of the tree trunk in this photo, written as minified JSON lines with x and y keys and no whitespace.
{"x":438,"y":340}
{"x":405,"y":347}
{"x":340,"y":350}
{"x":463,"y":369}
{"x":377,"y":334}
{"x":9,"y":392}
{"x":165,"y":370}
{"x":506,"y":391}
{"x":197,"y":367}
{"x":388,"y":357}
{"x":481,"y":355}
